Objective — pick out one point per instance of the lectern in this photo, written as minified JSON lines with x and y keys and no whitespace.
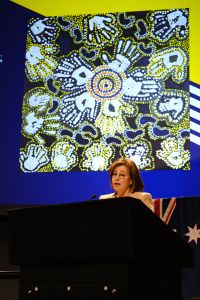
{"x":95,"y":250}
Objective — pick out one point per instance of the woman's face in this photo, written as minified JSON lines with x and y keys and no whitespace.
{"x":121,"y":181}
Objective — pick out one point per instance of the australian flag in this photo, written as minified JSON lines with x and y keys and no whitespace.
{"x":183,"y":216}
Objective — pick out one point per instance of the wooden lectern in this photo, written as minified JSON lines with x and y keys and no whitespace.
{"x":95,"y":250}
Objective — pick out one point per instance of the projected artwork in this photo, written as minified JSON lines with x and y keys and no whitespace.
{"x":102,"y":86}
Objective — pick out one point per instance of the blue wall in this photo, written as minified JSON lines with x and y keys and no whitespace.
{"x":18,"y":188}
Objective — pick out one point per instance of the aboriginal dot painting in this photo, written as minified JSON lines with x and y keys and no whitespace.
{"x":107,"y":85}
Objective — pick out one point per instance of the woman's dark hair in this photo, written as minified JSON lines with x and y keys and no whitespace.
{"x":137,"y":185}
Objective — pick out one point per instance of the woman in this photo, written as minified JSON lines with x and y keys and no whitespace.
{"x":126,"y":182}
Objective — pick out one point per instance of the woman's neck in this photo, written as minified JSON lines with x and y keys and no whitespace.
{"x":123,"y":194}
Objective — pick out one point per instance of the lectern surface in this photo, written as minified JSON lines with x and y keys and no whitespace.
{"x":106,"y":230}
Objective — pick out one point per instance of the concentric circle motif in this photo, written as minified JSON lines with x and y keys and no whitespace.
{"x":106,"y":84}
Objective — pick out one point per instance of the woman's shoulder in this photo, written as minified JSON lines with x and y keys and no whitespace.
{"x":141,"y":195}
{"x":146,"y":198}
{"x":106,"y":196}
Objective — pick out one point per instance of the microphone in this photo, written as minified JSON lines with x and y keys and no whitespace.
{"x":92,"y":197}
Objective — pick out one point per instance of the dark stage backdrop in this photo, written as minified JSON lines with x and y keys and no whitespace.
{"x":24,"y":188}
